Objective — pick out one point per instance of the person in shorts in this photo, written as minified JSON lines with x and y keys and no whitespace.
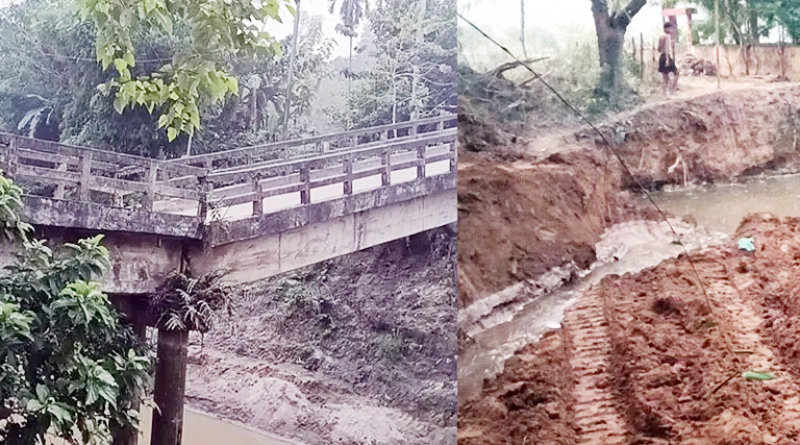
{"x":666,"y":60}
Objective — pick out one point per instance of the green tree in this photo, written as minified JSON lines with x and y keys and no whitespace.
{"x":68,"y":367}
{"x":215,"y":31}
{"x":351,"y":12}
{"x":47,"y":61}
{"x":413,"y":66}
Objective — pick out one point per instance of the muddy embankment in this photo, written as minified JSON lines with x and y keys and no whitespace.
{"x":537,"y":217}
{"x":355,"y":350}
{"x":648,"y":358}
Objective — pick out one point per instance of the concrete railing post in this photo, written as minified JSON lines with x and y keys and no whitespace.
{"x":86,"y":176}
{"x":258,"y":200}
{"x":61,"y":190}
{"x":453,"y":157}
{"x":386,"y":162}
{"x":205,"y":195}
{"x":347,"y":167}
{"x":12,"y":159}
{"x":152,"y":177}
{"x":422,"y":154}
{"x":305,"y":178}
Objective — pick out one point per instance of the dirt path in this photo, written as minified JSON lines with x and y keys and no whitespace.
{"x":598,"y":420}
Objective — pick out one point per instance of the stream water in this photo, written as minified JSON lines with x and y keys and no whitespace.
{"x":638,"y":245}
{"x":203,"y":429}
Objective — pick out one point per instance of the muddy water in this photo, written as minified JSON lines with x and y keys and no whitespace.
{"x":626,"y":247}
{"x":202,"y":429}
{"x":722,"y":207}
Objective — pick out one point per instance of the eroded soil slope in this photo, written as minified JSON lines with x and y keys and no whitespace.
{"x":651,"y":358}
{"x":356,"y":350}
{"x":513,"y":219}
{"x":547,"y":209}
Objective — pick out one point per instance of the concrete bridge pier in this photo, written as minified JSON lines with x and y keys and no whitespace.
{"x":170,"y":385}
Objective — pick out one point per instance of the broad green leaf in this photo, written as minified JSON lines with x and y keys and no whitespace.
{"x":33,"y":406}
{"x":121,"y":65}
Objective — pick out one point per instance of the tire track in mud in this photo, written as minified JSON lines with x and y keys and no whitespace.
{"x":743,"y":306}
{"x":596,"y":414}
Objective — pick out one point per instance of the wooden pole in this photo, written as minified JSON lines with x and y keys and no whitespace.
{"x":641,"y":52}
{"x":716,"y":24}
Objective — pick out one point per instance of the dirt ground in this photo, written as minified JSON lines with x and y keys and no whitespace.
{"x":356,"y":350}
{"x":644,"y":358}
{"x":548,"y":206}
{"x":647,"y":358}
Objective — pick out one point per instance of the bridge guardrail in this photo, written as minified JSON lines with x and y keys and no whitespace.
{"x":88,"y":170}
{"x":348,"y":140}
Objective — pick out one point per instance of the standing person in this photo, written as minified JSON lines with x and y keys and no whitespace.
{"x":666,"y":62}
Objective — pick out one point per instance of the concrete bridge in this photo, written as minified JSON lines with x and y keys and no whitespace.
{"x":256,"y":211}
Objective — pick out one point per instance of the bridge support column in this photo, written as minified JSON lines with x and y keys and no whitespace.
{"x":170,"y":385}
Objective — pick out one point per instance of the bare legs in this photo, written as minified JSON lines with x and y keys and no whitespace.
{"x":670,"y":84}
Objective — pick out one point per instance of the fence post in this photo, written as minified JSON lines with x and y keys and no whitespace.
{"x":453,"y":157}
{"x":152,"y":177}
{"x":305,"y":178}
{"x":86,"y":176}
{"x":258,"y":201}
{"x":347,"y":169}
{"x":386,"y":162}
{"x":60,"y":190}
{"x":641,"y":53}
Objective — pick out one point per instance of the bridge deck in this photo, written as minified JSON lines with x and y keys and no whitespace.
{"x":94,"y":189}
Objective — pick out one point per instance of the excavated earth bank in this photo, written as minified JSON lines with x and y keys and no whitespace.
{"x":646,"y":357}
{"x":545,"y":210}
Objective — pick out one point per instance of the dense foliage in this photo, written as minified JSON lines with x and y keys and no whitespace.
{"x":49,"y":78}
{"x":68,"y":368}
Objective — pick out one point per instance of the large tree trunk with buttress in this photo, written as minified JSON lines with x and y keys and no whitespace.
{"x":610,"y":27}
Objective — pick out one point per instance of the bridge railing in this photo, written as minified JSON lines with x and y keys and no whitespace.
{"x":76,"y":172}
{"x":87,"y":174}
{"x":259,"y":182}
{"x":348,"y":140}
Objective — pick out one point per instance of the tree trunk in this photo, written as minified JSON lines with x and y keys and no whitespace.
{"x":415,"y":108}
{"x":291,"y":71}
{"x":522,"y":27}
{"x":350,"y":66}
{"x":612,"y":82}
{"x":610,"y":29}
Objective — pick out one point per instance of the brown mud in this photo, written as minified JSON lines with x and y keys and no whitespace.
{"x":650,"y":359}
{"x":643,"y":358}
{"x":549,"y":207}
{"x":356,"y":350}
